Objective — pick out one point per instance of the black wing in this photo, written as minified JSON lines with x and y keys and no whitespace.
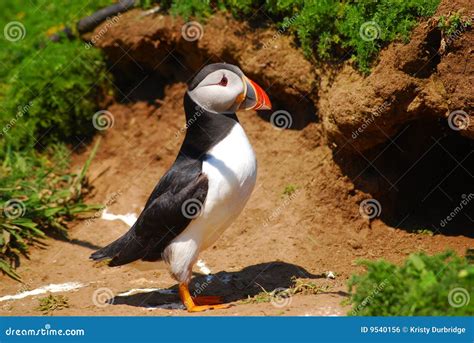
{"x":164,"y":217}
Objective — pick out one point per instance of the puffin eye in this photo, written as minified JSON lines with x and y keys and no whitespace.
{"x":223,"y":81}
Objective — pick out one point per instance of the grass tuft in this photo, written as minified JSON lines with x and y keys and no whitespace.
{"x":289,"y":190}
{"x":51,"y":303}
{"x":450,"y":24}
{"x":299,"y":286}
{"x":38,"y":197}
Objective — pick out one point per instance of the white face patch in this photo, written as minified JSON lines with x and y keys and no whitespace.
{"x":218,"y":91}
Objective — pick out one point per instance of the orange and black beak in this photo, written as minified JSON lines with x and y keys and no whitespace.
{"x":255,"y":97}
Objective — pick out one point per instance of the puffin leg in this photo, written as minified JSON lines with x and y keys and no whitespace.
{"x":191,"y":306}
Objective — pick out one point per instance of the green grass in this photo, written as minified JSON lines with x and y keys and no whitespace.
{"x":449,"y":25}
{"x":52,"y":99}
{"x":328,"y":29}
{"x":49,"y":91}
{"x":440,"y":285}
{"x":299,"y":286}
{"x":289,"y":190}
{"x":38,"y":196}
{"x":51,"y":303}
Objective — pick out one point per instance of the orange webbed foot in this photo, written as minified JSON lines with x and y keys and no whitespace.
{"x":199,"y":304}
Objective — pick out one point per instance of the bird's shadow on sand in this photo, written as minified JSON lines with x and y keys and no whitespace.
{"x":232,"y":286}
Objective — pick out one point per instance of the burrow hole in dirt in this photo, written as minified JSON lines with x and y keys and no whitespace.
{"x":139,"y":82}
{"x":428,"y":58}
{"x":423,"y":178}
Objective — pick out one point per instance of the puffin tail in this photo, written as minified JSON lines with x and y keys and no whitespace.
{"x":124,"y":250}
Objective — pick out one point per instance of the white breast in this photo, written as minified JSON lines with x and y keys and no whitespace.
{"x":231,"y":169}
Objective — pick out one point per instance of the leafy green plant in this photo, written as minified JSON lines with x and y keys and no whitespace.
{"x":48,"y":89}
{"x":424,"y":285}
{"x":37,"y":197}
{"x":449,"y":25}
{"x":53,"y":97}
{"x":289,"y":190}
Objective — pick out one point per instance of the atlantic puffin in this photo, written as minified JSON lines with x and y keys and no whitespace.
{"x":207,"y":186}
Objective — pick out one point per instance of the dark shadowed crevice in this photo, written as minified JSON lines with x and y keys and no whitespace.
{"x":423,"y":178}
{"x":134,"y":84}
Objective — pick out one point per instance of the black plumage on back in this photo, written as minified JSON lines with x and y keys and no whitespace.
{"x":162,"y":219}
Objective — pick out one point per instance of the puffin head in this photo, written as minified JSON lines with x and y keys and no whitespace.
{"x":223,"y":88}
